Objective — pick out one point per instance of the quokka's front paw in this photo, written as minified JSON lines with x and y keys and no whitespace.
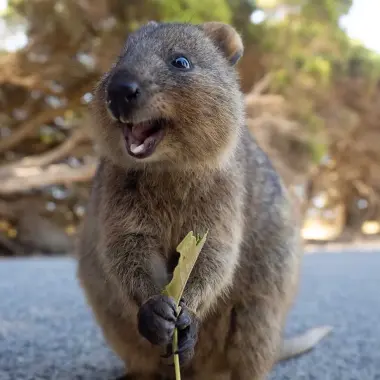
{"x":187,"y":336}
{"x":157,"y":319}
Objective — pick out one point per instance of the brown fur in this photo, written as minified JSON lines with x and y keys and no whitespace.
{"x":208,"y":173}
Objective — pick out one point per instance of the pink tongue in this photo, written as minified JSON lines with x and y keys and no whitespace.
{"x":141,"y":131}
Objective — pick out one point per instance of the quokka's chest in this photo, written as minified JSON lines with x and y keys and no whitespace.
{"x":168,"y":207}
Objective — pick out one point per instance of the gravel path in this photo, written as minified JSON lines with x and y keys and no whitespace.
{"x":47,"y":332}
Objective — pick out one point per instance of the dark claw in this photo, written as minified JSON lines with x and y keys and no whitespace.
{"x":187,"y":339}
{"x":183,"y":319}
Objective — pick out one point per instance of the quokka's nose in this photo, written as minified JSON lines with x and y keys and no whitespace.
{"x":125,"y":91}
{"x":121,"y":96}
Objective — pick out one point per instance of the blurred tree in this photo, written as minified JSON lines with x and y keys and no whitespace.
{"x":326,"y":80}
{"x":308,"y":89}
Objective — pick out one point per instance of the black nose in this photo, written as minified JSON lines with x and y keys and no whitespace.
{"x":121,"y":96}
{"x":126,"y":91}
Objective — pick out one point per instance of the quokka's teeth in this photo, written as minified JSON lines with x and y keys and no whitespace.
{"x":136,"y":149}
{"x":123,"y":119}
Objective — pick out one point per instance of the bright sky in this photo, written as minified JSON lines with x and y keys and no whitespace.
{"x":3,"y":4}
{"x":362,"y":23}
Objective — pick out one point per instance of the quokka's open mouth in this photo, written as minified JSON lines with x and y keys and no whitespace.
{"x":141,"y":139}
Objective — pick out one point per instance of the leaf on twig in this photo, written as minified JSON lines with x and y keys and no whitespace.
{"x":189,"y":250}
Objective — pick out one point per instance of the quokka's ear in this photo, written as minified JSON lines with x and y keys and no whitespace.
{"x":226,"y":38}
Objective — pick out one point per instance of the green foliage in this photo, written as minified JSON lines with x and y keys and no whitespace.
{"x":318,"y":151}
{"x":360,"y":61}
{"x":193,"y":11}
{"x":308,"y":53}
{"x":313,"y":9}
{"x":241,"y":11}
{"x":325,"y":11}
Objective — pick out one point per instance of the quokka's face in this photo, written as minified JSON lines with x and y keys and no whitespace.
{"x":172,"y":98}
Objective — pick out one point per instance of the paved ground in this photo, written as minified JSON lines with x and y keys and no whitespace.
{"x":46,"y":331}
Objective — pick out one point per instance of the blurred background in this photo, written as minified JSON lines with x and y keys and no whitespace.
{"x":311,"y":78}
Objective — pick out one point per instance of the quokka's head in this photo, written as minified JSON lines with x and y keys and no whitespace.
{"x":172,"y":98}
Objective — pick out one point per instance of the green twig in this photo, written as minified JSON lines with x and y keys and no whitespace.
{"x":177,"y":368}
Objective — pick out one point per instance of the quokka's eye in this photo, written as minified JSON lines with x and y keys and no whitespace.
{"x":181,"y":63}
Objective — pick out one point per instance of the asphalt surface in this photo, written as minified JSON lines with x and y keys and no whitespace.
{"x":47,"y":331}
